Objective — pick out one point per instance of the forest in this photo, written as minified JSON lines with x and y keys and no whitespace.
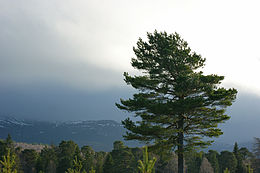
{"x":69,"y":157}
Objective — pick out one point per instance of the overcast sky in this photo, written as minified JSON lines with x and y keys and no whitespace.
{"x":88,"y":44}
{"x":62,"y":49}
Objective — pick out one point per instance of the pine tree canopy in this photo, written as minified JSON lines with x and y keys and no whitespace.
{"x":177,"y":104}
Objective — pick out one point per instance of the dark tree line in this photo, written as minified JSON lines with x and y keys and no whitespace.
{"x":58,"y":159}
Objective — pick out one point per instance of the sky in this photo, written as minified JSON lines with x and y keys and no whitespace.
{"x":64,"y":59}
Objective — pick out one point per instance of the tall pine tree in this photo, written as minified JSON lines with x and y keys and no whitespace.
{"x":178,"y":105}
{"x":240,"y":166}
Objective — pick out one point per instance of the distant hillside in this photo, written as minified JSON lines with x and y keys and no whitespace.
{"x":98,"y":134}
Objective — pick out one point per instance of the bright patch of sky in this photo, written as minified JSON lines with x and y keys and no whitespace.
{"x":88,"y":44}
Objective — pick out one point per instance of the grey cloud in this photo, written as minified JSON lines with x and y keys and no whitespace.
{"x":59,"y":103}
{"x":245,"y":119}
{"x":32,"y":48}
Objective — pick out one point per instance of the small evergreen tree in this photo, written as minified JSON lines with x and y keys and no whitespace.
{"x":249,"y":169}
{"x":100,"y":159}
{"x":227,"y":160}
{"x":88,"y":157}
{"x":67,"y":151}
{"x":212,"y":157}
{"x":77,"y":165}
{"x":226,"y":170}
{"x":108,"y":166}
{"x":240,"y":166}
{"x":123,"y":158}
{"x":146,"y":166}
{"x":47,"y":160}
{"x":29,"y":159}
{"x":92,"y":170}
{"x":193,"y":160}
{"x":8,"y":163}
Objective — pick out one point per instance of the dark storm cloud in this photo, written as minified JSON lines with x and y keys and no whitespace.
{"x":56,"y":102}
{"x":245,"y":119}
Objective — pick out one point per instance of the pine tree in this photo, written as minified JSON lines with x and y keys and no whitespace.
{"x":212,"y":157}
{"x":193,"y":160}
{"x":9,"y":141}
{"x":177,"y":104}
{"x":67,"y":151}
{"x":88,"y":157}
{"x":240,"y":166}
{"x":77,"y":166}
{"x":146,"y":166}
{"x":249,"y":169}
{"x":124,"y":160}
{"x":47,"y":161}
{"x":226,"y":170}
{"x":92,"y":170}
{"x":100,"y":159}
{"x":29,"y":160}
{"x":108,"y":166}
{"x":227,"y":160}
{"x":8,"y":163}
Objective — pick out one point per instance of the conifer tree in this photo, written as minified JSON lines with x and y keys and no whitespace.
{"x":92,"y":170}
{"x":47,"y":161}
{"x":77,"y":166}
{"x":226,"y":170}
{"x":67,"y":151}
{"x":29,"y":160}
{"x":124,"y":160}
{"x":146,"y":166}
{"x":240,"y":166}
{"x":212,"y":158}
{"x":108,"y":166}
{"x":8,"y":163}
{"x":88,"y":157}
{"x":178,"y":105}
{"x":193,"y":160}
{"x":227,"y":160}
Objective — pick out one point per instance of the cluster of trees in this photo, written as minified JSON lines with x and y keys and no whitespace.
{"x":61,"y":159}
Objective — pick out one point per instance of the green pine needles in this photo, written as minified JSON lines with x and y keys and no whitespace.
{"x":226,"y":170}
{"x":249,"y":169}
{"x":146,"y":166}
{"x":177,"y":104}
{"x":8,"y":163}
{"x":77,"y":164}
{"x":92,"y":170}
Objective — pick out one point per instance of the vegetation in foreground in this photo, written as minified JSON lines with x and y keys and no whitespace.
{"x":68,"y":157}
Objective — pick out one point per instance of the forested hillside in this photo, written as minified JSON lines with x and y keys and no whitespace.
{"x":68,"y":156}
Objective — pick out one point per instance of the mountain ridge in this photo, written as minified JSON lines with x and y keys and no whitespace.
{"x":99,"y":134}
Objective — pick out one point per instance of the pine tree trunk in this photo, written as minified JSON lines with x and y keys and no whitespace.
{"x":180,"y":148}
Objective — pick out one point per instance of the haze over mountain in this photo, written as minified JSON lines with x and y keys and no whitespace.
{"x":57,"y":103}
